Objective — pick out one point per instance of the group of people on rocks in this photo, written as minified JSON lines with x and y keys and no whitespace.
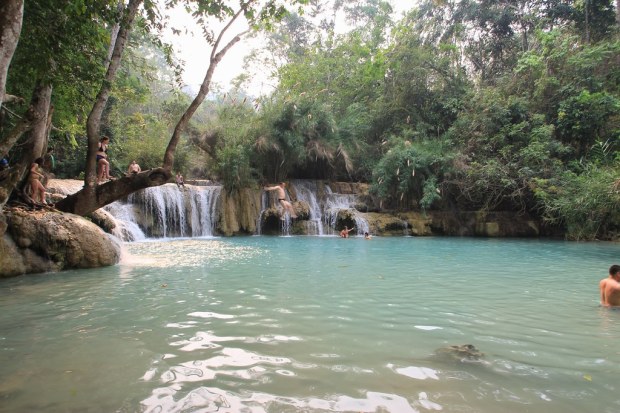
{"x":42,"y":168}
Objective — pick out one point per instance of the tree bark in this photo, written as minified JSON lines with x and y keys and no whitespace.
{"x":92,"y":196}
{"x":11,"y":17}
{"x":94,"y":118}
{"x":36,"y":120}
{"x":215,"y":58}
{"x":83,"y":202}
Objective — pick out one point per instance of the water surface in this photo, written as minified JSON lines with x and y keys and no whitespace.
{"x":316,"y":324}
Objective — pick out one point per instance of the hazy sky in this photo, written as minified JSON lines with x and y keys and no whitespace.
{"x":194,"y":50}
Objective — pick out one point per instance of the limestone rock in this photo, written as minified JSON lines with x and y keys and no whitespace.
{"x":239,"y":211}
{"x":52,"y":241}
{"x":386,"y":224}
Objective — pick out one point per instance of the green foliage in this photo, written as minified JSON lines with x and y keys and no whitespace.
{"x":143,"y":109}
{"x":503,"y":147}
{"x":408,"y":173}
{"x":234,"y":147}
{"x":63,"y":43}
{"x":587,"y":203}
{"x":476,"y":104}
{"x":585,"y":118}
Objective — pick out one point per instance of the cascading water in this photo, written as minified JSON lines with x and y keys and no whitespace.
{"x":264,"y":200}
{"x":323,"y":208}
{"x":204,"y":208}
{"x":307,"y":191}
{"x":335,"y":203}
{"x":161,"y":211}
{"x":167,"y":211}
{"x":126,"y":228}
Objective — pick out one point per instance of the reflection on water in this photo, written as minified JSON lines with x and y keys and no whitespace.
{"x":315,"y":324}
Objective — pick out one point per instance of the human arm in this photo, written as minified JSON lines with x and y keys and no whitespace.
{"x":270,"y":188}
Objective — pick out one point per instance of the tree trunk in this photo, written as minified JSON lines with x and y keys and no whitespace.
{"x":586,"y":9}
{"x":83,"y":202}
{"x":11,"y":16}
{"x":94,"y":118}
{"x":89,"y":198}
{"x":36,"y":120}
{"x":618,"y":12}
{"x":93,"y":197}
{"x":216,"y":57}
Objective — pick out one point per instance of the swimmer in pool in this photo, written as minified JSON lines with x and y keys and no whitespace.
{"x":610,"y":288}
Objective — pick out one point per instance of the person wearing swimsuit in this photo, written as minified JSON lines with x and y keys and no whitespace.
{"x":34,"y":179}
{"x":103,"y":166}
{"x":288,"y":207}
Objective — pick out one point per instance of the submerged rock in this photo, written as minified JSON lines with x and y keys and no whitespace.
{"x":40,"y":241}
{"x":460,"y":353}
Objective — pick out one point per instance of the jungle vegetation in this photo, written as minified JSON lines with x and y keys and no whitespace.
{"x":509,"y":105}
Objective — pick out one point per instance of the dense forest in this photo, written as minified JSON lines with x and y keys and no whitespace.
{"x":509,"y":105}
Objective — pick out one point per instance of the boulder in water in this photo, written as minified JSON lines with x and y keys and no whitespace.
{"x":40,"y":241}
{"x":461,"y":353}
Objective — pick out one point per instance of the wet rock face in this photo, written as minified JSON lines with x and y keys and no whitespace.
{"x":460,"y":353}
{"x":40,"y":241}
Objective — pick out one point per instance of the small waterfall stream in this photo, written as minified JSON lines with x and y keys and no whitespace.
{"x":167,"y":211}
{"x":307,"y":191}
{"x":324,"y":205}
{"x":337,"y":202}
{"x":158,"y":212}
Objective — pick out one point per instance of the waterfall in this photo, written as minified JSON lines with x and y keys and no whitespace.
{"x":167,"y":211}
{"x":204,"y":208}
{"x":161,"y":211}
{"x":307,"y":191}
{"x":264,"y":204}
{"x":126,"y":228}
{"x":323,"y":208}
{"x":337,"y":202}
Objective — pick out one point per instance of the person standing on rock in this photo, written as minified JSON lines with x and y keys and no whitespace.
{"x":282,"y":198}
{"x":34,"y":180}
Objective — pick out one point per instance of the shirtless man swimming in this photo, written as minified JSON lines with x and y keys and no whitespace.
{"x":282,"y":198}
{"x":610,"y":288}
{"x":345,"y":232}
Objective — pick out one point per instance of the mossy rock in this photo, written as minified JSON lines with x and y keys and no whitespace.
{"x":460,"y":353}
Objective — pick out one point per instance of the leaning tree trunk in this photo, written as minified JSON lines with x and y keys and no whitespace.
{"x":215,"y":58}
{"x":88,"y":199}
{"x":11,"y":17}
{"x":83,"y":202}
{"x":93,"y":197}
